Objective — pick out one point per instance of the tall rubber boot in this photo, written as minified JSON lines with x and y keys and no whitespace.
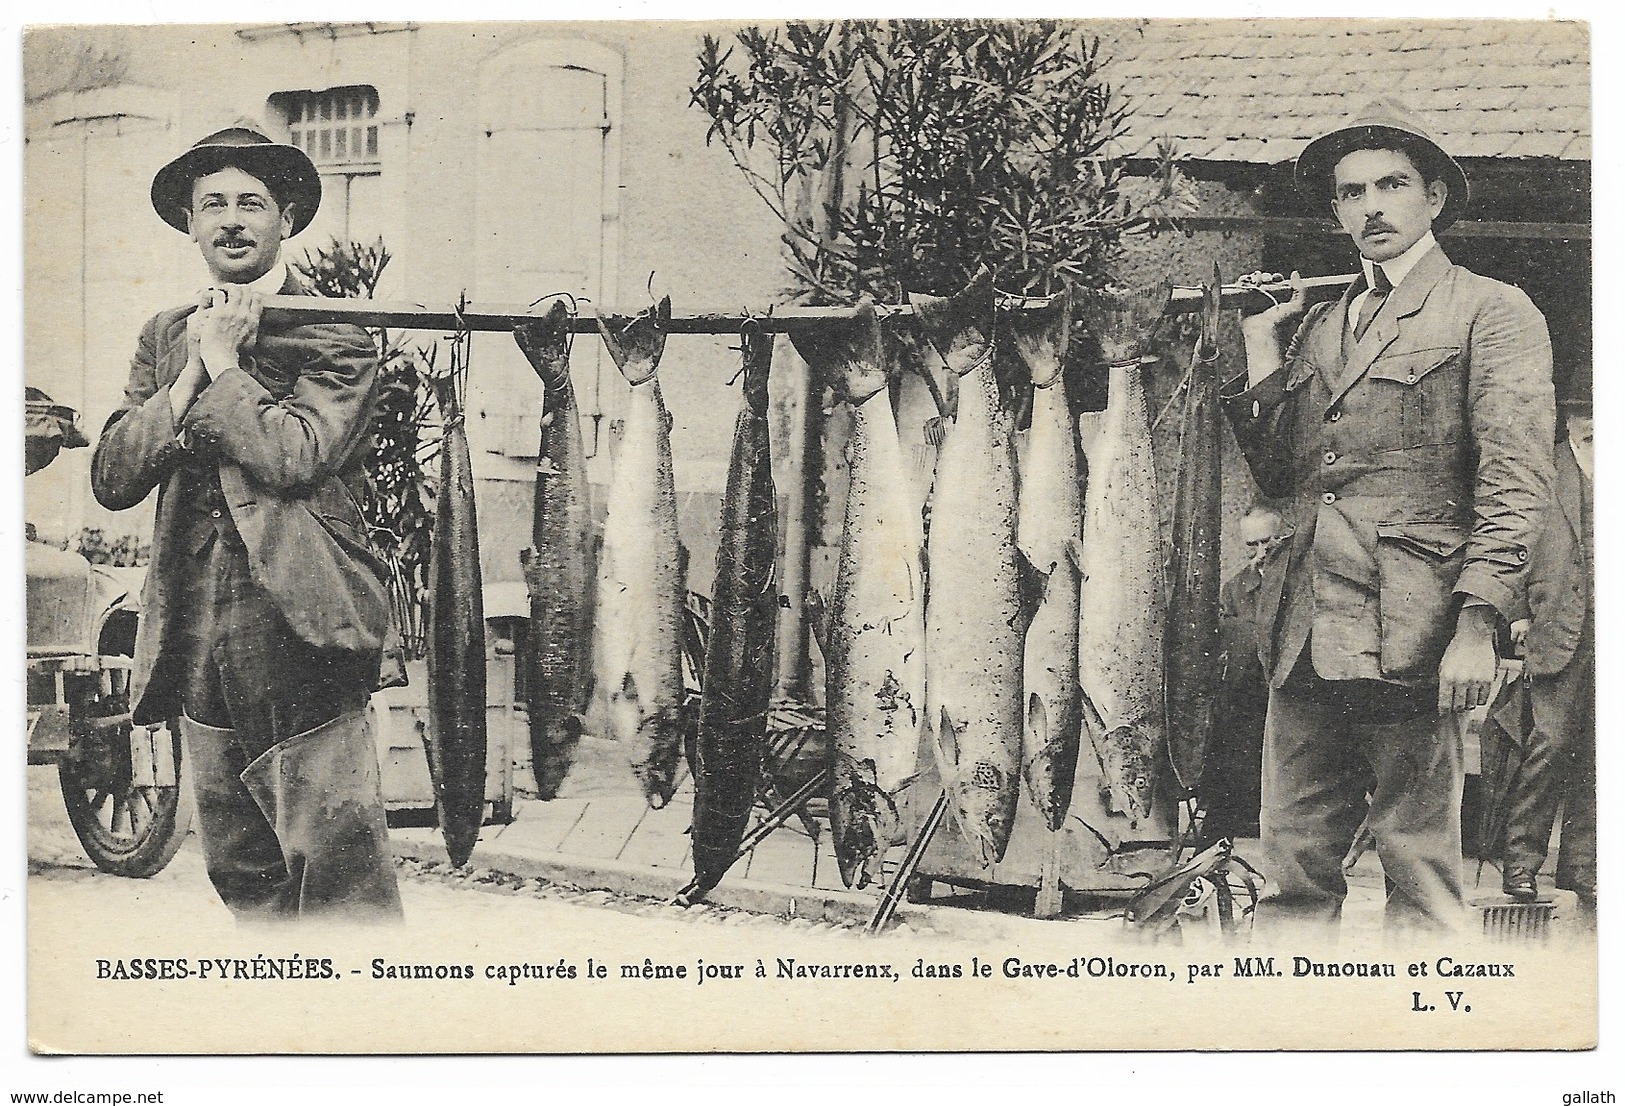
{"x":240,"y":849}
{"x":321,"y":793}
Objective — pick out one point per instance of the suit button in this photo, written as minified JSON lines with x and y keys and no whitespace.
{"x":1328,"y":498}
{"x":1523,"y":554}
{"x":215,"y":513}
{"x":1330,"y":456}
{"x":1411,"y":379}
{"x":1334,"y":415}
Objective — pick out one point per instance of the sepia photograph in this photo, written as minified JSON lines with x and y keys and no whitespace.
{"x":842,"y":536}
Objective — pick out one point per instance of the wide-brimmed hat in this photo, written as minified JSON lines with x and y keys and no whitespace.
{"x":1382,"y":118}
{"x":285,"y":169}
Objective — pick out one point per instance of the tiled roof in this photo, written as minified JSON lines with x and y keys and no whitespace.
{"x":1257,"y":90}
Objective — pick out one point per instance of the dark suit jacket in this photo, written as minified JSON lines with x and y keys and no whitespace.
{"x":287,"y":430}
{"x":1416,"y":464}
{"x":1560,"y":575}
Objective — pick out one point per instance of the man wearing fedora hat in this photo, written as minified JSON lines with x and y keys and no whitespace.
{"x":1407,"y":426}
{"x":264,"y":610}
{"x":1556,"y":626}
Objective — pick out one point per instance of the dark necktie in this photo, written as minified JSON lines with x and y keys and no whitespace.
{"x":1380,"y":287}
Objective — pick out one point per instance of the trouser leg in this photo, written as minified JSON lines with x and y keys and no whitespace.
{"x":1561,"y":707}
{"x":1577,"y":852}
{"x":1416,"y":816}
{"x":240,"y":848}
{"x":320,"y":791}
{"x":304,"y":768}
{"x":1313,"y":800}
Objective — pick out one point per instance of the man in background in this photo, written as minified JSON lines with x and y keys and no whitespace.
{"x":1230,"y":783}
{"x":1558,"y":635}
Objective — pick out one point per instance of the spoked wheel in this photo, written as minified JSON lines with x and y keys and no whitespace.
{"x":128,"y":798}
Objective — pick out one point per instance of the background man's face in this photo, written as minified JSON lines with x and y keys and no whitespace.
{"x":236,"y":223}
{"x":1381,"y":201}
{"x":1259,"y":533}
{"x":1580,"y":431}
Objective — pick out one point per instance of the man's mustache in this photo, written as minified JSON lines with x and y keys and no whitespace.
{"x":232,"y":241}
{"x":1378,"y":225}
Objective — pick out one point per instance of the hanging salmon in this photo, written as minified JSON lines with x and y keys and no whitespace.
{"x":640,"y":576}
{"x":738,"y":681}
{"x":1049,"y":530}
{"x":1193,"y":602}
{"x":976,"y":617}
{"x":455,"y":745}
{"x":876,"y":628}
{"x":1120,"y":633}
{"x":559,"y":565}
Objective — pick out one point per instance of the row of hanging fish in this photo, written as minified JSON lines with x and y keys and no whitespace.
{"x":614,"y":621}
{"x":1045,"y":618}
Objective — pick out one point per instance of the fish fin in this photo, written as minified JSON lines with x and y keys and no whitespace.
{"x":531,"y":566}
{"x":1122,"y":320}
{"x":1074,"y":553}
{"x":1041,"y":337}
{"x":935,"y":431}
{"x":1037,"y":721}
{"x":1093,"y":725}
{"x":545,"y":342}
{"x":959,"y":327}
{"x":1031,"y":585}
{"x":635,"y":344}
{"x":1207,"y":343}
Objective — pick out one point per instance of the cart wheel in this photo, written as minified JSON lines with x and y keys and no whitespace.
{"x":127,"y":828}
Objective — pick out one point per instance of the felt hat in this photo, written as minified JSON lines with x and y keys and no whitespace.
{"x":1574,"y":389}
{"x":1382,"y":119}
{"x":285,"y":169}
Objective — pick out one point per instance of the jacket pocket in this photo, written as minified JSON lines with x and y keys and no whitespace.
{"x":1419,"y":395}
{"x":1418,"y":564}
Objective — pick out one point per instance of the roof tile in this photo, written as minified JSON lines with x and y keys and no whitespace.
{"x":1492,"y":86}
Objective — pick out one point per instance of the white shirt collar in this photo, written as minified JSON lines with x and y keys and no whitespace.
{"x":1398,"y":268}
{"x":270,"y":282}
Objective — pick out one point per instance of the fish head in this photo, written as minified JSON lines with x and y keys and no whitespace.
{"x":545,"y":343}
{"x":657,"y":780}
{"x":984,"y":795}
{"x":1129,"y":770}
{"x":863,"y":820}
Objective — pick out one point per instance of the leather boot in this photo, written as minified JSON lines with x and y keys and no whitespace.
{"x":320,"y":791}
{"x":240,"y":849}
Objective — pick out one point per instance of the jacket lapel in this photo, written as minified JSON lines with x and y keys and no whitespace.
{"x":1404,"y":301}
{"x":1567,"y":490}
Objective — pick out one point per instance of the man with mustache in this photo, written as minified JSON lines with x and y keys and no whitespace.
{"x":1230,"y":786}
{"x":1407,"y":429}
{"x":264,"y":609}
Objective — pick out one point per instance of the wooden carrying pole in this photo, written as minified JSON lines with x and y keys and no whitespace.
{"x":503,"y":317}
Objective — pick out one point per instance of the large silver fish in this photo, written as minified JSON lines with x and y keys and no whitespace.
{"x":1049,"y":530}
{"x":1122,"y":616}
{"x":738,"y":682}
{"x":640,"y":584}
{"x":1193,"y":604}
{"x":559,"y":565}
{"x":455,"y":747}
{"x":976,"y":617}
{"x":875,"y":691}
